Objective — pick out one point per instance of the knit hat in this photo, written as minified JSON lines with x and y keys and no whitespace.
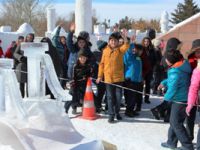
{"x":82,"y":52}
{"x":101,"y":44}
{"x":173,"y":56}
{"x":196,"y":44}
{"x":173,"y":43}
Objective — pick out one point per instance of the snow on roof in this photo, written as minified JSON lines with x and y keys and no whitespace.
{"x":184,"y":22}
{"x":25,"y":29}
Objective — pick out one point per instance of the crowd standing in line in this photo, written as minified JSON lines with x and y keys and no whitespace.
{"x":121,"y":62}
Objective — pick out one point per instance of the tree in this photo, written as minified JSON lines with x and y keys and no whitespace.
{"x":184,"y":11}
{"x":16,"y":12}
{"x":125,"y":23}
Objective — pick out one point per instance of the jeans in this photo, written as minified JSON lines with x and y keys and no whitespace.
{"x":114,"y":96}
{"x":177,"y":131}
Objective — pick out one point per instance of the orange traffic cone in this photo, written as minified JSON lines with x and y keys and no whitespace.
{"x":88,"y":103}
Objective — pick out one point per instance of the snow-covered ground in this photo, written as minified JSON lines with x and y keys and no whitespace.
{"x":139,"y":133}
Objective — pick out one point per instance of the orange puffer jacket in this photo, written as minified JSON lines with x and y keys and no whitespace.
{"x":111,"y":67}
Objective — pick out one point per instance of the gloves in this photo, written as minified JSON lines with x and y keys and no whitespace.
{"x":188,"y":109}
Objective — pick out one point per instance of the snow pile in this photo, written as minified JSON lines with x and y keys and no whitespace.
{"x":25,"y":29}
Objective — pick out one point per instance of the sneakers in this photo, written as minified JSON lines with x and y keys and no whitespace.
{"x":111,"y":119}
{"x":166,"y":145}
{"x":155,"y":113}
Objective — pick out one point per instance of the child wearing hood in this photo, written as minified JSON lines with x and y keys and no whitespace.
{"x":177,"y":85}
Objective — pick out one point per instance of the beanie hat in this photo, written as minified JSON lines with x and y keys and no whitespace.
{"x":82,"y":52}
{"x":173,"y":43}
{"x":101,"y":44}
{"x":196,"y":44}
{"x":173,"y":56}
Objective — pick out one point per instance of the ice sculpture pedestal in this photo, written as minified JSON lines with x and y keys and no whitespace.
{"x":36,"y":79}
{"x":4,"y":64}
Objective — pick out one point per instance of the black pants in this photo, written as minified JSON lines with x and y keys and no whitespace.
{"x":77,"y":95}
{"x":22,"y":89}
{"x":101,"y":90}
{"x":148,"y":79}
{"x":198,"y":139}
{"x":63,"y":75}
{"x":133,"y":98}
{"x":190,"y":122}
{"x":177,"y":131}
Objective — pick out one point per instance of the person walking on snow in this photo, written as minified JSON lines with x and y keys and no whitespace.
{"x":177,"y":85}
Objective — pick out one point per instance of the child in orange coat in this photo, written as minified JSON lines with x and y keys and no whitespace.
{"x":111,"y":68}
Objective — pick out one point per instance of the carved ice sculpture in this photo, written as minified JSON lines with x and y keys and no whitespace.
{"x":12,"y":103}
{"x":164,"y":21}
{"x":36,"y":79}
{"x":83,"y":17}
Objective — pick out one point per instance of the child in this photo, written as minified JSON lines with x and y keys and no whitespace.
{"x":82,"y":43}
{"x":177,"y":85}
{"x":81,"y":72}
{"x":193,"y":98}
{"x":111,"y":68}
{"x":133,"y":78}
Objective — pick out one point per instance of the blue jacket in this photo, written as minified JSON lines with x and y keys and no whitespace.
{"x":56,"y":42}
{"x":133,"y":66}
{"x":178,"y":82}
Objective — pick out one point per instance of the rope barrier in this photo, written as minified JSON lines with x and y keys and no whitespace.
{"x":119,"y":86}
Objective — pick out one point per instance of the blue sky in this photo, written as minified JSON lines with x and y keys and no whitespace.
{"x":117,"y":9}
{"x":109,"y":1}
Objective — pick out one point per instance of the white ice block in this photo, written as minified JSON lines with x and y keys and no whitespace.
{"x":36,"y":80}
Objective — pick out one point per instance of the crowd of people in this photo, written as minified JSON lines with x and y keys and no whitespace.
{"x":121,"y":67}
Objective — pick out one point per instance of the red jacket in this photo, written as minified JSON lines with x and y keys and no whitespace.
{"x":146,"y":65}
{"x":192,"y":60}
{"x":8,"y":53}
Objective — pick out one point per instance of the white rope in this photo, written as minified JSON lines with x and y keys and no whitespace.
{"x":119,"y":86}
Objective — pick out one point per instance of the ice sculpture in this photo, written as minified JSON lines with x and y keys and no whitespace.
{"x":83,"y":17}
{"x":12,"y":103}
{"x":52,"y":80}
{"x":164,"y":21}
{"x":36,"y":79}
